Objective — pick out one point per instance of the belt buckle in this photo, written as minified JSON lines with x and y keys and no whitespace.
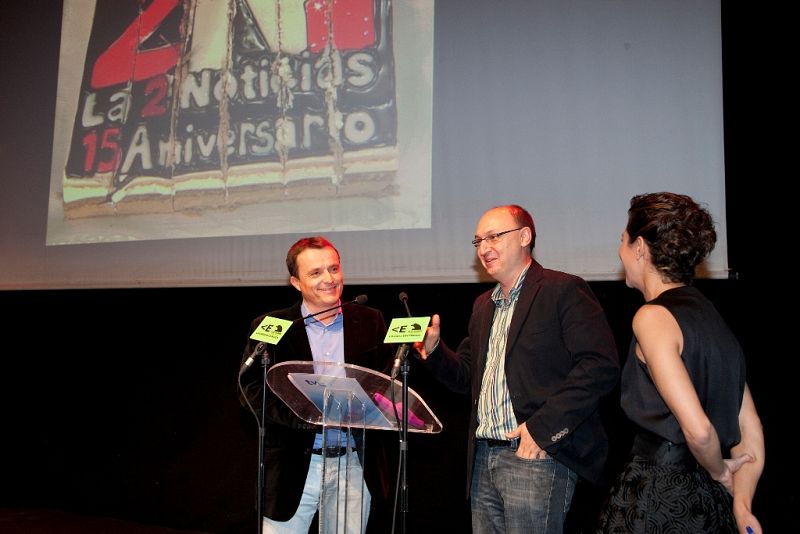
{"x":331,"y":452}
{"x":506,"y":443}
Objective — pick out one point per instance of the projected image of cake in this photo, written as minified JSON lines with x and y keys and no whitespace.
{"x":211,"y":104}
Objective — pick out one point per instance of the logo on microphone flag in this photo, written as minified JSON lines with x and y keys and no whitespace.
{"x":407,"y":329}
{"x":271,"y":330}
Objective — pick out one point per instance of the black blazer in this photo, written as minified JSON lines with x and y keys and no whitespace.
{"x":288,"y":440}
{"x":560,"y":360}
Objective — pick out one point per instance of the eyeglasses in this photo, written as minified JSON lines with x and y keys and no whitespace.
{"x":491,"y":239}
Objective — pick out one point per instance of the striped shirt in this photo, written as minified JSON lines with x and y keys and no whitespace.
{"x":495,"y":412}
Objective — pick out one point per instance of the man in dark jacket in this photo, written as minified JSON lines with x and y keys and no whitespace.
{"x":351,"y":334}
{"x":538,"y":357}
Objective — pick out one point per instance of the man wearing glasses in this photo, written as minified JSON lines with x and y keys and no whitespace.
{"x":538,"y":357}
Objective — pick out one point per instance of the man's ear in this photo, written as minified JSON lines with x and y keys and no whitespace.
{"x":295,"y":282}
{"x":526,"y":236}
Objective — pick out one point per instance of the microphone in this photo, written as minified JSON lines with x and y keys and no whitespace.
{"x":361,"y":299}
{"x":262,"y":347}
{"x":402,"y":350}
{"x":258,"y":351}
{"x":404,"y":300}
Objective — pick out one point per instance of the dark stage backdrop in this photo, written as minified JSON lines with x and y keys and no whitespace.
{"x":128,"y":408}
{"x":121,"y":403}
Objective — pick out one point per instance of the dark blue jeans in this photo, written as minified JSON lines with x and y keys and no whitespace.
{"x":513,"y":495}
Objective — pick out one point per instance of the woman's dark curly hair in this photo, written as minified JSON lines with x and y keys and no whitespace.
{"x":679,"y":232}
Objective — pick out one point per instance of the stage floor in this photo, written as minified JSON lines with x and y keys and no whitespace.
{"x":47,"y":521}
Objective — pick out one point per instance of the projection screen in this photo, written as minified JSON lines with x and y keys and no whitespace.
{"x":195,"y":141}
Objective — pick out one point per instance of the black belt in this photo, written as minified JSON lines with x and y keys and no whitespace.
{"x":331,"y":452}
{"x":660,"y":451}
{"x":510,"y":443}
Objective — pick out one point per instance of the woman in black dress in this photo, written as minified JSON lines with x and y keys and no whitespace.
{"x":699,"y":448}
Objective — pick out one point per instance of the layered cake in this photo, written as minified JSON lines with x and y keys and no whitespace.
{"x":210,"y":104}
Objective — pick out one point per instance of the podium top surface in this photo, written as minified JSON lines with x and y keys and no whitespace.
{"x":343,"y":394}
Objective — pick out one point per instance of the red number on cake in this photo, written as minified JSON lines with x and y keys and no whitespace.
{"x":123,"y":61}
{"x":109,"y":141}
{"x":156,"y":89}
{"x":350,"y":22}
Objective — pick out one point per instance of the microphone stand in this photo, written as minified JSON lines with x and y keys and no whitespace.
{"x":260,"y":349}
{"x":404,"y":370}
{"x":265,"y":364}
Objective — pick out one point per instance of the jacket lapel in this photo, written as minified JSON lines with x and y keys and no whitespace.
{"x":351,"y":335}
{"x":527,"y":296}
{"x":297,"y":346}
{"x":486,"y":317}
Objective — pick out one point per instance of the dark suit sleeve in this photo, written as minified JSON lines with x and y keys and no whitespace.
{"x":594,"y":369}
{"x":454,"y":368}
{"x":451,"y":368}
{"x":253,"y":387}
{"x":384,"y":352}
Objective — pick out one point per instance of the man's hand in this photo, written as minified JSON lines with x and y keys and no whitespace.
{"x":528,"y":448}
{"x":431,"y":340}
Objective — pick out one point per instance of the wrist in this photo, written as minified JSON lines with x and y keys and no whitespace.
{"x":741,"y":505}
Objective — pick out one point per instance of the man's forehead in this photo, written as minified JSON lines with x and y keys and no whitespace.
{"x":495,"y":217}
{"x":313,"y":257}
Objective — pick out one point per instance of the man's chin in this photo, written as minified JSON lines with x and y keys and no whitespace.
{"x":330,"y":300}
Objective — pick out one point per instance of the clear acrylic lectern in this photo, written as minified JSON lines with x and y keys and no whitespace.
{"x":351,"y":399}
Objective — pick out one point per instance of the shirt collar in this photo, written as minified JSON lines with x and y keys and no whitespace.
{"x":497,"y":294}
{"x":313,"y":321}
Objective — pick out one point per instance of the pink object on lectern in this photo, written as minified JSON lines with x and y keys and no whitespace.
{"x":386,"y":405}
